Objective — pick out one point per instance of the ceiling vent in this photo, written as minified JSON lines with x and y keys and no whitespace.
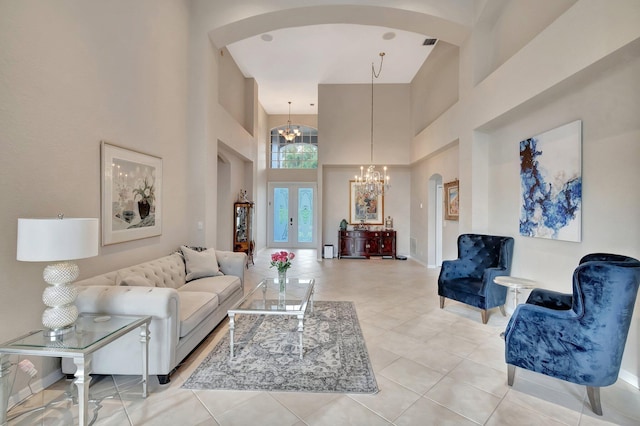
{"x":429,"y":41}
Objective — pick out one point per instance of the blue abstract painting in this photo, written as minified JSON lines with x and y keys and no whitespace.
{"x":551,"y":184}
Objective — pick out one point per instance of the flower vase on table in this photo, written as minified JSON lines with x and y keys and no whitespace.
{"x":281,"y":260}
{"x":282,"y":280}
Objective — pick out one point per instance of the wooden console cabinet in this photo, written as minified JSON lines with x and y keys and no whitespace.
{"x":367,"y":243}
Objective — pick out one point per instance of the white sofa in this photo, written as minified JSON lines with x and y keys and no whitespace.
{"x":183,"y":313}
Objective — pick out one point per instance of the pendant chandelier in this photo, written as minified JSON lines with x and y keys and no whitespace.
{"x":371,"y":182}
{"x":289,"y":134}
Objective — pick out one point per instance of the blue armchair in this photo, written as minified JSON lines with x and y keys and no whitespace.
{"x":469,"y":279}
{"x":577,"y":337}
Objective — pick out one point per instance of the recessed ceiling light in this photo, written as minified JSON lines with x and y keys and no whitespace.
{"x":389,"y":36}
{"x":266,"y":37}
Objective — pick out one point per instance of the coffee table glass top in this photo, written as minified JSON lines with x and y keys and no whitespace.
{"x":267,"y":298}
{"x":89,"y":330}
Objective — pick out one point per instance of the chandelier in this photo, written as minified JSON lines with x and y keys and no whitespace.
{"x":289,"y":134}
{"x":372,"y":182}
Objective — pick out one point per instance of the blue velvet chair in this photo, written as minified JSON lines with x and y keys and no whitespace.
{"x":577,"y":337}
{"x":469,"y":279}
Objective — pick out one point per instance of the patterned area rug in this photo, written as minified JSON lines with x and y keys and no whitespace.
{"x":267,"y":355}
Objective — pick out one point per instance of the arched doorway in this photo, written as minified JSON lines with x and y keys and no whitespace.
{"x":435,"y":221}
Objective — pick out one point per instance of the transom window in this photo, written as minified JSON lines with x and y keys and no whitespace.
{"x":300,"y":153}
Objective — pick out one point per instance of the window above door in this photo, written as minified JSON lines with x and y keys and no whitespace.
{"x":300,"y":153}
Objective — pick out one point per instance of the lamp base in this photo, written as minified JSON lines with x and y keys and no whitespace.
{"x":58,"y":333}
{"x":61,"y":313}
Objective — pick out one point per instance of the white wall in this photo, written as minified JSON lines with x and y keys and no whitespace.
{"x":434,"y":89}
{"x":231,"y":178}
{"x":260,"y":180}
{"x":522,"y":20}
{"x":75,"y":73}
{"x":608,"y":103}
{"x":344,"y":124}
{"x":85,"y":71}
{"x":445,"y":164}
{"x":335,"y":187}
{"x":560,"y":75}
{"x":610,"y":150}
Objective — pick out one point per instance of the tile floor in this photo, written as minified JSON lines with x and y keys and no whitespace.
{"x":432,"y":366}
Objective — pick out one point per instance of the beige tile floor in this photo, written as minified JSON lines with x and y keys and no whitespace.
{"x":433,"y":366}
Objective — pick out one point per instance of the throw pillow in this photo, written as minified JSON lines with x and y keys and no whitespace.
{"x":135,"y":280}
{"x":200,"y":264}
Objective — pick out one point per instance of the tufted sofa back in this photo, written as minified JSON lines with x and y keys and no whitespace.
{"x":167,"y":271}
{"x":485,"y":251}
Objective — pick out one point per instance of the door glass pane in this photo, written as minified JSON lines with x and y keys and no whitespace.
{"x":305,"y":215}
{"x":281,"y":215}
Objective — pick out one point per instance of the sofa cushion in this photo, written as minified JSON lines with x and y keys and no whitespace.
{"x":134,"y":280}
{"x":200,"y":263}
{"x":194,"y":308}
{"x":167,"y":271}
{"x":223,"y":286}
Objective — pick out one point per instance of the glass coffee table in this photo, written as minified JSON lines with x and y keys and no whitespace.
{"x":92,"y":332}
{"x":267,"y":299}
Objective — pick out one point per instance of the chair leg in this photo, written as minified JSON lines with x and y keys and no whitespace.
{"x":504,"y":313}
{"x":593,"y":392}
{"x":441,"y":302}
{"x":485,"y":316}
{"x":511,"y":372}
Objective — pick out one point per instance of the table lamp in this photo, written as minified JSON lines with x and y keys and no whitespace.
{"x":58,"y":240}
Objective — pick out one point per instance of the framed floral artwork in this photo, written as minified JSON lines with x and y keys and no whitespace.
{"x":365,"y":208}
{"x":451,"y":200}
{"x":131,"y":194}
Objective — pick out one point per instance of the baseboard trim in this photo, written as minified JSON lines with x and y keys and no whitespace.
{"x":630,"y":378}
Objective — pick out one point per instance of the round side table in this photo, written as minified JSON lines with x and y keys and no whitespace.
{"x":516,"y":284}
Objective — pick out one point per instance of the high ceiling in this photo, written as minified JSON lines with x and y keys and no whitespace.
{"x":289,"y":64}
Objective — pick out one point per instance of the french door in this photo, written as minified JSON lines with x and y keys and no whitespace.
{"x":292,"y":215}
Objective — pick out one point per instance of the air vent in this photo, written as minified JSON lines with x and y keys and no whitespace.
{"x":429,"y":41}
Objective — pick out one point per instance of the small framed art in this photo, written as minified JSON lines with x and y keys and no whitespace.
{"x":451,"y":200}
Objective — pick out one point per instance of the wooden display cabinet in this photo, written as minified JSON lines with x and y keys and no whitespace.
{"x":243,"y":229}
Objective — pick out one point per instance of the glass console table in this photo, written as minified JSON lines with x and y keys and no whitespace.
{"x":92,"y":332}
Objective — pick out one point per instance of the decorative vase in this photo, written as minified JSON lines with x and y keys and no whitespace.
{"x":128,"y":215}
{"x":143,"y":209}
{"x":282,"y":279}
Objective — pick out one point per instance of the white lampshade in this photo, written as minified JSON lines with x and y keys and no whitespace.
{"x":47,"y":240}
{"x":58,"y":240}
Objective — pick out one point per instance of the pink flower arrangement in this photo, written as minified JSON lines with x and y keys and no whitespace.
{"x":282,"y":260}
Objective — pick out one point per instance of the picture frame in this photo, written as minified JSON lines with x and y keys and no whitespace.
{"x":452,"y":200}
{"x":131,"y":186}
{"x":551,"y":184}
{"x":367,"y":210}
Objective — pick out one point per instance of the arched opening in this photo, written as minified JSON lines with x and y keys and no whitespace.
{"x":435,"y":221}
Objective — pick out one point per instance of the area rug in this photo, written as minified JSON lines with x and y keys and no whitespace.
{"x":267,"y":354}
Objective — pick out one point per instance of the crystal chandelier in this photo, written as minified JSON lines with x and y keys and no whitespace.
{"x":289,"y":134}
{"x":372,"y":182}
